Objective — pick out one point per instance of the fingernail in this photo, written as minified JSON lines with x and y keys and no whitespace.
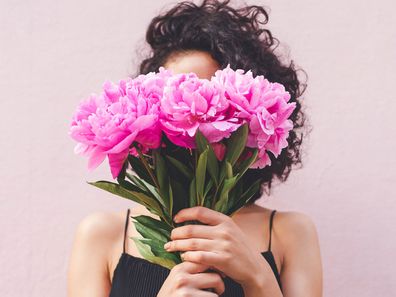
{"x":176,"y":219}
{"x":166,"y":245}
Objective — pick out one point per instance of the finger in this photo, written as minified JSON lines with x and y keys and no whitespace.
{"x":188,"y":231}
{"x":214,"y":269}
{"x":200,"y":293}
{"x":209,"y":267}
{"x":200,"y":213}
{"x":191,"y":244}
{"x":208,"y":280}
{"x":211,"y":259}
{"x":190,"y":267}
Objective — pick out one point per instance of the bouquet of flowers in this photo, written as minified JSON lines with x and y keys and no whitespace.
{"x":175,"y":141}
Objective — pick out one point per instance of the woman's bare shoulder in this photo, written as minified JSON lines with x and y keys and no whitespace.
{"x":105,"y":227}
{"x":289,"y":228}
{"x":97,"y":244}
{"x":103,"y":230}
{"x":294,"y":226}
{"x":285,"y":220}
{"x":296,"y":238}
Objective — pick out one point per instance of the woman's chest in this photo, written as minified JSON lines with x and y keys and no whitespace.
{"x":135,"y":277}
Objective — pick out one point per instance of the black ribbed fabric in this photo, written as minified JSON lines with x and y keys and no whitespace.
{"x":138,"y":277}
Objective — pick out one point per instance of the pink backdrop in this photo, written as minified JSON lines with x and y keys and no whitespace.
{"x":52,"y":53}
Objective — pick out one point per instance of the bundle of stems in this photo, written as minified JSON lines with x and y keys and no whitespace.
{"x":171,"y":178}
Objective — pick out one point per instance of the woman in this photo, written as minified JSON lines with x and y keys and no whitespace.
{"x":254,"y":253}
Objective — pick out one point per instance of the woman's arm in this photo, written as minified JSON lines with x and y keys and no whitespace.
{"x":88,"y":273}
{"x":221,"y":244}
{"x":301,"y":274}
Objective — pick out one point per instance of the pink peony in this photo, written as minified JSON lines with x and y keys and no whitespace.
{"x":190,"y":103}
{"x":264,"y":105}
{"x":108,"y":124}
{"x":219,"y":150}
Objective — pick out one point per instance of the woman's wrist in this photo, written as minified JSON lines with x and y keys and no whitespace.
{"x":262,"y":289}
{"x":260,"y":284}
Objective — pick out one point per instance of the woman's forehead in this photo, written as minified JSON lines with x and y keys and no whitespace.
{"x":199,"y":62}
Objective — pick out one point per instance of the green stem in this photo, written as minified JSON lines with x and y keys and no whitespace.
{"x":214,"y":197}
{"x":166,"y":218}
{"x":146,"y":166}
{"x":169,"y":222}
{"x":195,"y":170}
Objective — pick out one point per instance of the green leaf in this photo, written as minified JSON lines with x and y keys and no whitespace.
{"x":170,"y":209}
{"x":201,"y":142}
{"x":200,"y":175}
{"x":139,"y":169}
{"x":150,"y":233}
{"x":180,"y":191}
{"x":146,"y":166}
{"x":157,"y":248}
{"x":228,"y":169}
{"x":137,"y":197}
{"x":236,"y":143}
{"x":222,"y":204}
{"x":245,"y":197}
{"x":147,"y":188}
{"x":235,"y":194}
{"x":162,"y":178}
{"x":207,"y":200}
{"x":153,"y":223}
{"x":160,"y":169}
{"x":193,"y":193}
{"x":187,"y":172}
{"x":244,"y":166}
{"x":145,"y":251}
{"x":129,"y":186}
{"x":213,"y":164}
{"x":207,"y":203}
{"x":208,"y":187}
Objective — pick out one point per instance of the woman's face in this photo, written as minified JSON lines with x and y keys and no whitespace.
{"x":199,"y":62}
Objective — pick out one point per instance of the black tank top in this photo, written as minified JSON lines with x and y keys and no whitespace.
{"x":138,"y":277}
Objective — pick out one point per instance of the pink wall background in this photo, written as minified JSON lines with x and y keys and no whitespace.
{"x":52,"y":53}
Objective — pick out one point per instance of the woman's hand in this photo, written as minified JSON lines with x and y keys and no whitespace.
{"x":220,"y":244}
{"x":189,"y":279}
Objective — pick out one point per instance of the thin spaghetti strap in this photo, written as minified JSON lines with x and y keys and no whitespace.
{"x":270,"y":228}
{"x":125,"y":231}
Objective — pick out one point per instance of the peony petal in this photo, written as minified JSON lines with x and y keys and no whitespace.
{"x":80,"y":148}
{"x":144,"y":122}
{"x":212,"y":134}
{"x":116,"y":161}
{"x":150,"y":137}
{"x":122,"y":145}
{"x":262,"y":161}
{"x":219,"y":150}
{"x":182,"y":140}
{"x":225,"y":126}
{"x":96,"y":158}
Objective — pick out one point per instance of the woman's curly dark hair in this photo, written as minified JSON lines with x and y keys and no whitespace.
{"x":232,"y":36}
